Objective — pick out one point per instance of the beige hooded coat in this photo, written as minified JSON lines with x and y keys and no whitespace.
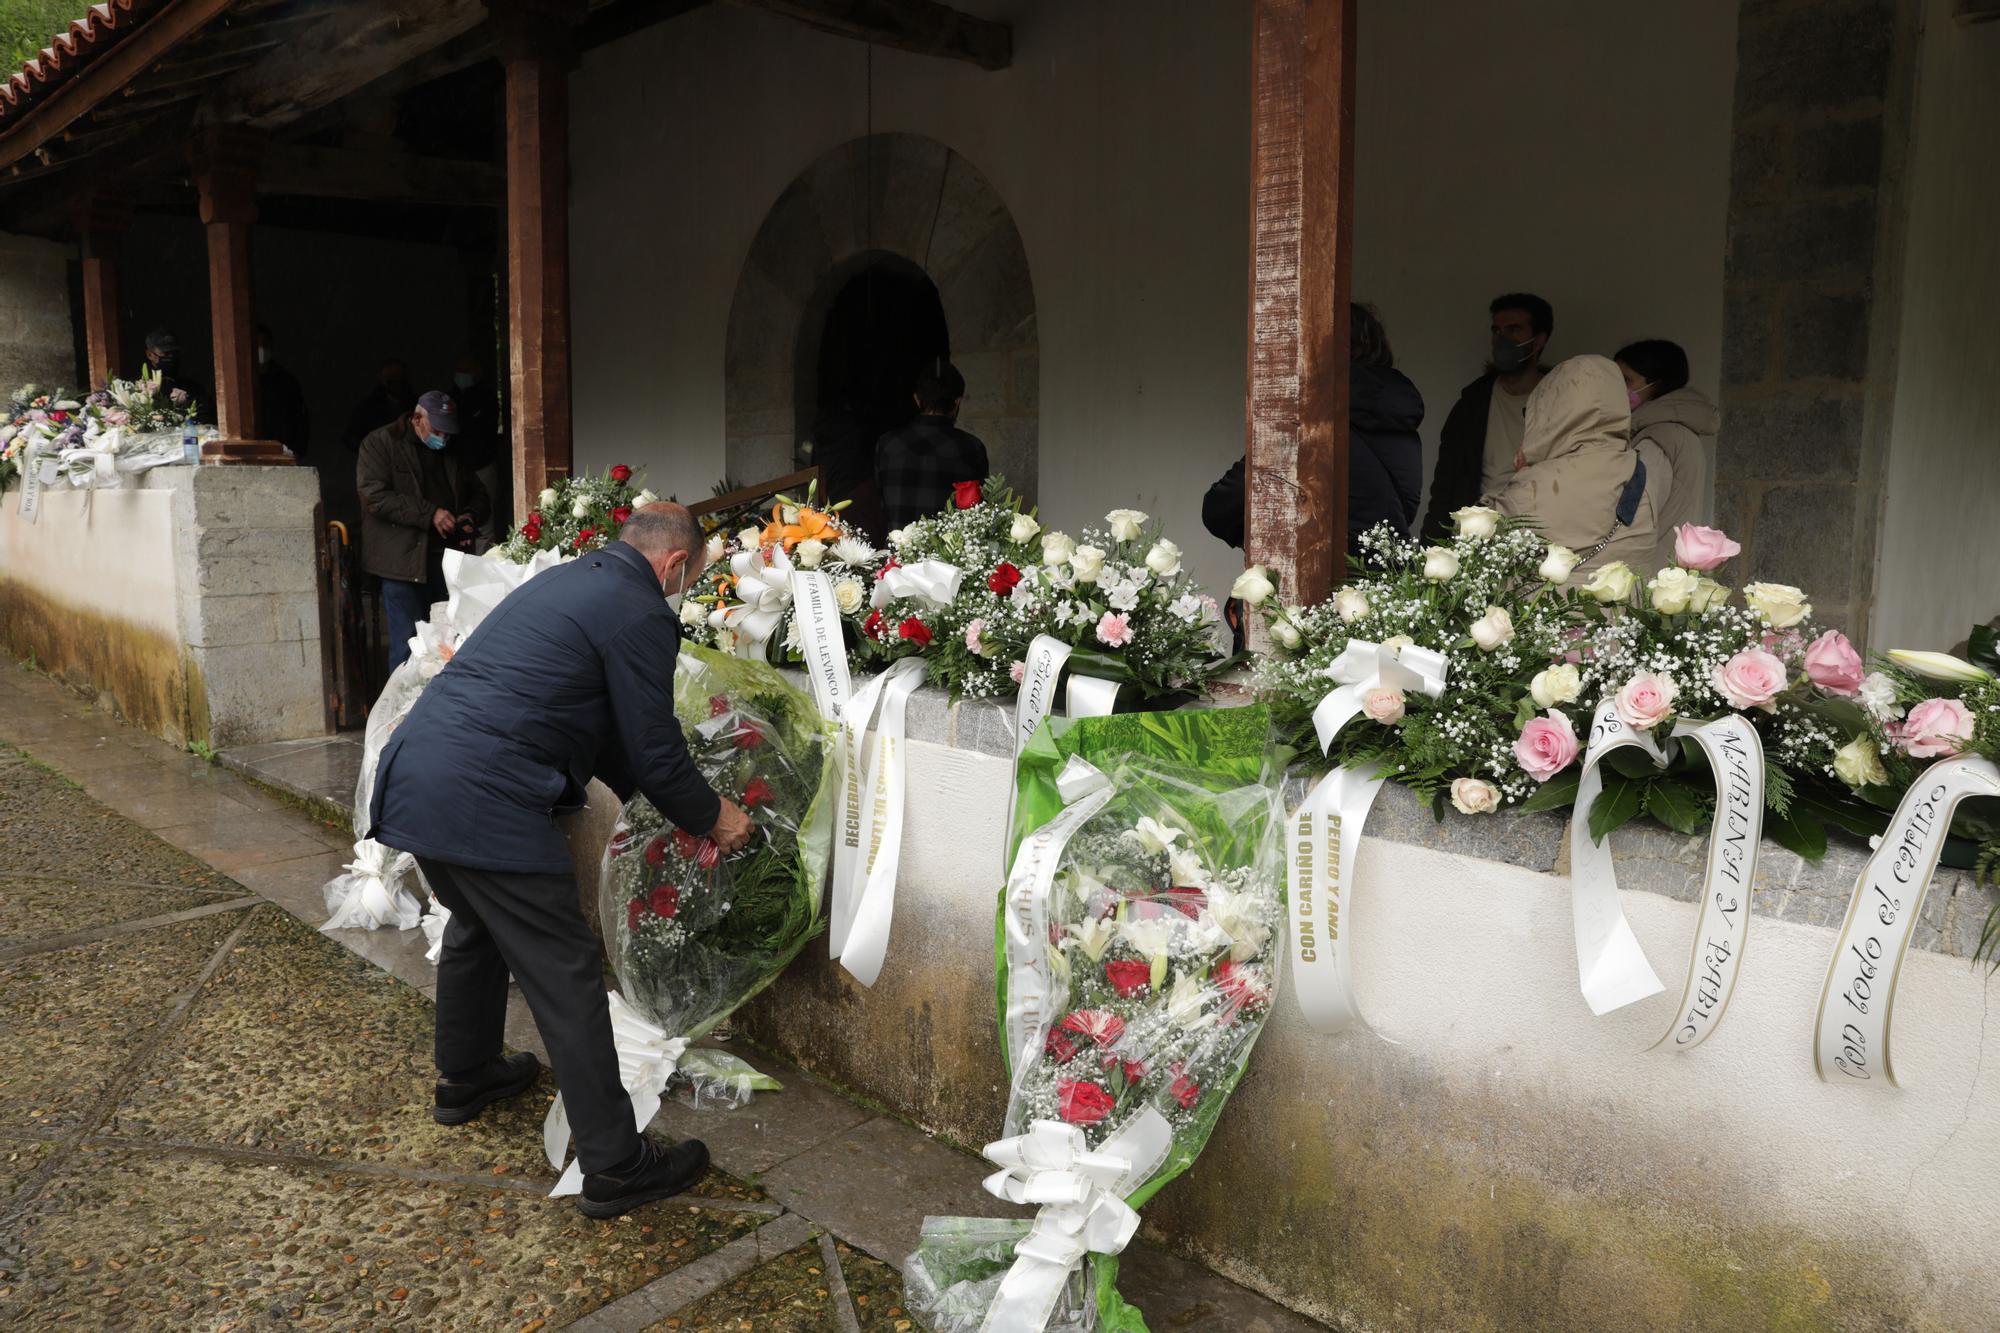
{"x":1577,"y":456}
{"x":1682,"y":425}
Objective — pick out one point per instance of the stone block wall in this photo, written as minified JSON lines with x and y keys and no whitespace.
{"x":37,"y":343}
{"x":1820,"y":126}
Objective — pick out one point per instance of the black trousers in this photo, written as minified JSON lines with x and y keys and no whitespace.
{"x":530,"y":925}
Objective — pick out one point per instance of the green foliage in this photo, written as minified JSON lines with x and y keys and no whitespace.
{"x":26,"y":26}
{"x":1621,"y":800}
{"x":1679,"y":806}
{"x":1797,"y":831}
{"x":202,"y":750}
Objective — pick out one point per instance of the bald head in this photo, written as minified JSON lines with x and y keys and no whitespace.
{"x":670,"y":539}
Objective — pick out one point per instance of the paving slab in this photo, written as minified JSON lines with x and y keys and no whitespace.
{"x":35,"y":909}
{"x":328,"y":769}
{"x":155,"y":797}
{"x":55,"y":828}
{"x":790,"y":1294}
{"x":297,"y":885}
{"x":233,"y":842}
{"x":771,"y":1128}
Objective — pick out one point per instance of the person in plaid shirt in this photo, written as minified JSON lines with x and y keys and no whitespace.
{"x":916,"y":465}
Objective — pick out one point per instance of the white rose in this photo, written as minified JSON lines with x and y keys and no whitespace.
{"x":1087,"y":562}
{"x":1164,"y":559}
{"x":848,"y":594}
{"x":1285,"y":633}
{"x":1253,"y":586}
{"x":644,"y":498}
{"x":1126,"y":524}
{"x":716,"y":547}
{"x":1558,"y":564}
{"x":750,"y":538}
{"x":693,"y":613}
{"x":1672,"y":590}
{"x":897,"y":536}
{"x":1613,"y":583}
{"x":1707,"y":595}
{"x":1383,"y":705}
{"x":1493,"y":629}
{"x":1350,"y":604}
{"x":1476,"y":521}
{"x":1779,"y":603}
{"x":1557,"y":685}
{"x":581,"y":509}
{"x":1472,"y":796}
{"x":1858,"y":764}
{"x":1057,"y":548}
{"x":1439,"y":564}
{"x":546,"y":499}
{"x":810,"y":552}
{"x":1024,"y":528}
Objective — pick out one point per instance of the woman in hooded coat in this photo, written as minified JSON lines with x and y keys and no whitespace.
{"x":1580,"y":478}
{"x":1681,"y":423}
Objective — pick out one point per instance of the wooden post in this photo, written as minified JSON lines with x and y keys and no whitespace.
{"x":535,"y":44}
{"x":1301,"y":224}
{"x":101,"y":221}
{"x":225,"y":176}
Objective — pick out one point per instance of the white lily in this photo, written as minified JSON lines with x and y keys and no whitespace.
{"x":1186,"y":868}
{"x":1238,"y":916}
{"x":1151,"y":938}
{"x":1938,"y":666}
{"x":1152,"y":835}
{"x":1094,"y":936}
{"x":1187,"y":1004}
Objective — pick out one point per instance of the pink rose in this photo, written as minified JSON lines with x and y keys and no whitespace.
{"x":1114,"y":630}
{"x":1383,"y":705}
{"x":1645,"y":701}
{"x":972,"y":633}
{"x":1751,"y":679}
{"x":1017,"y":671}
{"x":1546,"y":747}
{"x":1702,"y":548}
{"x":1936,"y":729}
{"x":1833,"y":665}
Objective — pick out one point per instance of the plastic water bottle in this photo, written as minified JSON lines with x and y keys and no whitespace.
{"x":190,"y":446}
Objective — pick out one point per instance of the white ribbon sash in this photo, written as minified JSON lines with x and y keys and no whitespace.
{"x":1082,"y":1210}
{"x":819,"y":634}
{"x":934,"y":582}
{"x":1025,"y":916}
{"x":868,"y":848}
{"x":1326,"y":831}
{"x":1610,"y":966}
{"x":31,"y":487}
{"x":1851,"y":1033}
{"x":647,"y":1057}
{"x":1086,"y":696}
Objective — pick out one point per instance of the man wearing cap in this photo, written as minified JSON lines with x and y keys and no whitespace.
{"x":418,"y":499}
{"x":163,"y":354}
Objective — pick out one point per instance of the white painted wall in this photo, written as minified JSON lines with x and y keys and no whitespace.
{"x":111,"y":553}
{"x":1939,"y":569}
{"x":1120,"y":141}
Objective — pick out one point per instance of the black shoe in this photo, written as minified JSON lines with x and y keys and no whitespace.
{"x":661,"y":1174}
{"x":459,"y":1100}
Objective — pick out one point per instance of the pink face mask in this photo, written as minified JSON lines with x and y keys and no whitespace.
{"x":1634,"y":397}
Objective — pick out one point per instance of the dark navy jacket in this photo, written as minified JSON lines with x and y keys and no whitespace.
{"x":571,"y":677}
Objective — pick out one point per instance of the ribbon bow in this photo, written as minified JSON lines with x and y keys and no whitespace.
{"x":932,"y":581}
{"x":1081,"y":1198}
{"x":370,"y":895}
{"x":647,"y":1058}
{"x":764,"y":586}
{"x":434,"y":923}
{"x":1363,"y":666}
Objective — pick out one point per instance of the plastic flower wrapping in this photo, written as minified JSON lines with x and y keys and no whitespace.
{"x":693,"y":934}
{"x":45,"y":423}
{"x":971,"y":587}
{"x":1137,"y":968}
{"x":578,"y":514}
{"x":743,"y":601}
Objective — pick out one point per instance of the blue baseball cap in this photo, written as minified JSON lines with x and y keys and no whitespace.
{"x":440,"y":407}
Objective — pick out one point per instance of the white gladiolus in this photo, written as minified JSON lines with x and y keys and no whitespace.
{"x":1253,"y":586}
{"x":1126,"y":524}
{"x":1440,"y":564}
{"x":1024,"y":528}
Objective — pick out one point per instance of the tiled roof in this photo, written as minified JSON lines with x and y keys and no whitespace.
{"x":89,"y":37}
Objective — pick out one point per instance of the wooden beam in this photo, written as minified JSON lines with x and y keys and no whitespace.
{"x":352,"y":173}
{"x":922,"y":27}
{"x":107,"y":76}
{"x":101,"y":223}
{"x":534,"y":39}
{"x":621,"y":18}
{"x":1301,"y":222}
{"x":225,"y":163}
{"x":354,"y":46}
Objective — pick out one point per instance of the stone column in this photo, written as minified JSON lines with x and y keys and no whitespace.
{"x":1812,"y":293}
{"x":101,"y":222}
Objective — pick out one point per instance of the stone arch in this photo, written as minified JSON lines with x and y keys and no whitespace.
{"x":911,"y":197}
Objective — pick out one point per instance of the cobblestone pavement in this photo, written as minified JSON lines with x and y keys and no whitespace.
{"x":213,"y":1116}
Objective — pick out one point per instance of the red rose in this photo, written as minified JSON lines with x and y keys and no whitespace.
{"x":1186,"y":1091}
{"x":916,"y":631}
{"x":666,"y":901}
{"x":1003,"y":578}
{"x":621,"y":514}
{"x":621,"y":474}
{"x":965,"y":494}
{"x":749,"y":738}
{"x":1060,"y":1045}
{"x":757,"y":792}
{"x":634,"y":911}
{"x":532,"y":528}
{"x":1099,"y":1025}
{"x":621,"y":842}
{"x":1129,"y":978}
{"x":1242,"y":987}
{"x":1134,"y":1070}
{"x":583,"y":538}
{"x":718,"y":704}
{"x":1082,"y":1103}
{"x":685,"y":844}
{"x":1187,"y":901}
{"x":59,"y":416}
{"x":872,"y":626}
{"x":656,"y":851}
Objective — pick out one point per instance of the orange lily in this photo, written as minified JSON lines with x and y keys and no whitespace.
{"x":812,"y":525}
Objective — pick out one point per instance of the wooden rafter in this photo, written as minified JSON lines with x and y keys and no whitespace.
{"x":354,"y":173}
{"x":922,"y":27}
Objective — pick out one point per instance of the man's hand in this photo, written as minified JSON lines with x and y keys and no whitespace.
{"x":732,"y":827}
{"x":445,"y":524}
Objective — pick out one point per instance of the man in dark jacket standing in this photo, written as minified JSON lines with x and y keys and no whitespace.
{"x":571,"y":677}
{"x":916,"y":465}
{"x":1482,"y":435}
{"x":418,"y":498}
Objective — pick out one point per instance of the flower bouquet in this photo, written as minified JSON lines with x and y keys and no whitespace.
{"x":973,"y":586}
{"x":578,"y":514}
{"x":743,"y":600}
{"x":693,"y":934}
{"x":139,"y":407}
{"x":42,"y":423}
{"x":1138,"y":961}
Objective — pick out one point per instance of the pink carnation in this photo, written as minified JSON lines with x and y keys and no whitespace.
{"x":1702,"y":548}
{"x":1114,"y":630}
{"x":1833,"y":665}
{"x":1546,"y":747}
{"x":1017,"y":672}
{"x":1751,"y":679}
{"x":972,"y":633}
{"x":1936,"y":729}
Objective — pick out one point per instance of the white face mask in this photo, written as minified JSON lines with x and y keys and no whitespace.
{"x":674,"y":598}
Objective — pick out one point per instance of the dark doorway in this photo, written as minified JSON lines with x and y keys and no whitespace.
{"x":883,"y":325}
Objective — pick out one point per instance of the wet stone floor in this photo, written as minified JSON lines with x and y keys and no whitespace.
{"x":214,"y":1118}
